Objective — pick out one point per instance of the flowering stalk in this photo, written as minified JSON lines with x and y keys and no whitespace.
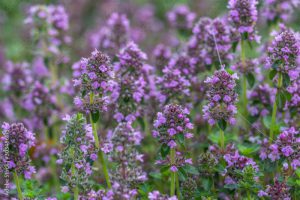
{"x":222,"y":138}
{"x":17,"y":182}
{"x":244,"y":79}
{"x":75,"y":189}
{"x":274,"y":111}
{"x":97,"y":144}
{"x":173,"y":174}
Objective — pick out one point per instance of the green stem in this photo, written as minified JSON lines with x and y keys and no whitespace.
{"x":94,"y":124}
{"x":177,"y":187}
{"x":222,"y":139}
{"x":244,"y":79}
{"x":73,"y":171}
{"x":17,"y":182}
{"x":173,"y":174}
{"x":274,"y":111}
{"x":248,"y":195}
{"x":97,"y":143}
{"x":54,"y":174}
{"x":105,"y":170}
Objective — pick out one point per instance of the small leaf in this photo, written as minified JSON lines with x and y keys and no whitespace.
{"x":280,"y":100}
{"x":164,"y":150}
{"x":182,"y":174}
{"x":234,"y":46}
{"x":272,"y":74}
{"x":267,"y":121}
{"x":190,"y":169}
{"x":222,"y":124}
{"x":285,"y":80}
{"x":95,"y":116}
{"x":180,"y":138}
{"x":251,"y":79}
{"x":231,"y":186}
{"x":287,"y":95}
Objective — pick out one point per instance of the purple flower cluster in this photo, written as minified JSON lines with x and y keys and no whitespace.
{"x":128,"y":173}
{"x":131,"y":59}
{"x":173,"y":85}
{"x":156,"y":195}
{"x":162,"y":55}
{"x":182,"y":63}
{"x":16,"y":140}
{"x":112,"y":36}
{"x":279,"y":190}
{"x":96,"y":74}
{"x":50,"y":23}
{"x":40,"y":100}
{"x":243,"y":15}
{"x":171,"y":122}
{"x":294,"y":90}
{"x":202,"y":45}
{"x":181,"y":18}
{"x":234,"y":162}
{"x":286,"y":146}
{"x":94,"y":77}
{"x":283,"y":53}
{"x":222,"y":98}
{"x":261,"y":98}
{"x":129,"y":91}
{"x":279,"y":10}
{"x":55,"y":17}
{"x":79,"y":150}
{"x":17,"y":77}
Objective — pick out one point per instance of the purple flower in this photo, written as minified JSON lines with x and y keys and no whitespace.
{"x":181,"y":18}
{"x":222,"y":98}
{"x":283,"y":52}
{"x":277,"y":10}
{"x":173,"y":85}
{"x":202,"y":48}
{"x":172,"y":121}
{"x":162,"y":55}
{"x":243,"y":14}
{"x":20,"y":140}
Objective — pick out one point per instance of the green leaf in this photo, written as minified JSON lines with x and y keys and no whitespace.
{"x":164,"y":150}
{"x":248,"y":149}
{"x":180,"y":138}
{"x":251,"y":79}
{"x":280,"y":99}
{"x":272,"y":74}
{"x":190,"y":169}
{"x":267,"y":121}
{"x":231,"y":186}
{"x":141,"y":122}
{"x":287,"y":95}
{"x":155,"y":175}
{"x":285,"y":80}
{"x":95,"y":116}
{"x":222,"y":124}
{"x":182,"y":174}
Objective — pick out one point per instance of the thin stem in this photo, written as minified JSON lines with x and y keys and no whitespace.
{"x":177,"y":187}
{"x":97,"y":143}
{"x":222,"y":139}
{"x":17,"y":182}
{"x":274,"y":111}
{"x":94,"y":124}
{"x":54,"y":174}
{"x":73,"y":171}
{"x":244,"y":79}
{"x":104,"y":167}
{"x":173,"y":174}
